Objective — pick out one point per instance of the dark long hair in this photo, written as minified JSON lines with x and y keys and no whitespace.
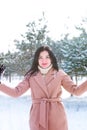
{"x":34,"y":67}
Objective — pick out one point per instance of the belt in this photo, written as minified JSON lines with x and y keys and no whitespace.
{"x":44,"y":109}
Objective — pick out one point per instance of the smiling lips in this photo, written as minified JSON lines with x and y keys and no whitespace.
{"x":44,"y":64}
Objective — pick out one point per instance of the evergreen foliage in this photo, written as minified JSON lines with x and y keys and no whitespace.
{"x":71,"y":54}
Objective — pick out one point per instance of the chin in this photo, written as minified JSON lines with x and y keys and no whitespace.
{"x":44,"y":67}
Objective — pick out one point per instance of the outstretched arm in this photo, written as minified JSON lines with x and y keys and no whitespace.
{"x":21,"y":88}
{"x":71,"y":87}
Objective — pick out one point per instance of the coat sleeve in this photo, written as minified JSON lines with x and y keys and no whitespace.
{"x":71,"y":87}
{"x":21,"y":88}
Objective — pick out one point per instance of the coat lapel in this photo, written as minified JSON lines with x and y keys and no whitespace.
{"x":40,"y":80}
{"x":44,"y":83}
{"x":50,"y":76}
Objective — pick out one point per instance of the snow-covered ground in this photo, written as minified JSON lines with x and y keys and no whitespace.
{"x":14,"y":113}
{"x":76,"y":109}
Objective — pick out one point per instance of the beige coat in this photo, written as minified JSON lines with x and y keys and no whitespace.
{"x":47,"y":111}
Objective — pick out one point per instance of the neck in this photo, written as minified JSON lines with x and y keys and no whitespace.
{"x":44,"y":70}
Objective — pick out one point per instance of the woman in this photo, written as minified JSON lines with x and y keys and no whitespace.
{"x":45,"y":80}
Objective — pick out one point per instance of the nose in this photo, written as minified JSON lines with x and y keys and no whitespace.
{"x":43,"y":60}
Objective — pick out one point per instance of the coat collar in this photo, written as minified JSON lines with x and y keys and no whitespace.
{"x":43,"y":82}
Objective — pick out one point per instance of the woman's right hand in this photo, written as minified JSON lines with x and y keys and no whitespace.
{"x":2,"y":68}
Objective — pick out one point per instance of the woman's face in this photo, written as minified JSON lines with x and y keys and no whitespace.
{"x":44,"y":60}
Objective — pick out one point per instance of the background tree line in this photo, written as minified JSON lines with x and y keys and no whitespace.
{"x":71,"y":53}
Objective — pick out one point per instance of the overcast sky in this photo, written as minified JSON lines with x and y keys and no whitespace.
{"x":16,"y":14}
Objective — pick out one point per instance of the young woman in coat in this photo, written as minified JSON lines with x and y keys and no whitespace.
{"x":45,"y":80}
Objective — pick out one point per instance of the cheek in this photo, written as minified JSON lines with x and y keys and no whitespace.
{"x":39,"y":62}
{"x":49,"y":61}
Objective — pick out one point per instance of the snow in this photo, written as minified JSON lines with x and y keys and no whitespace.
{"x":76,"y":109}
{"x":14,"y":113}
